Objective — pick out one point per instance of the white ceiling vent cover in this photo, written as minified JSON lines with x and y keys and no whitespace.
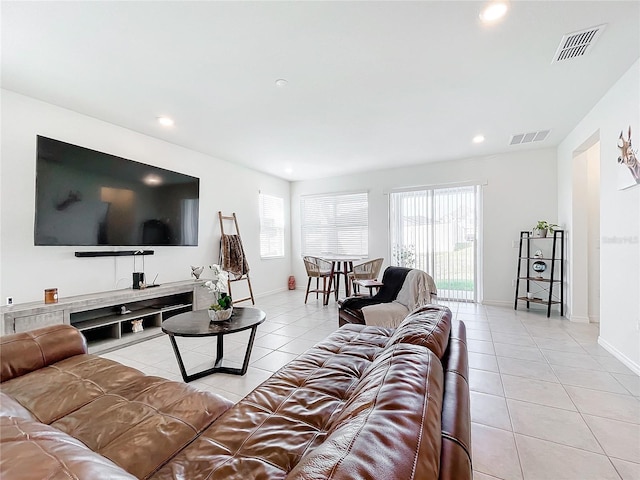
{"x":577,"y":44}
{"x":529,"y":137}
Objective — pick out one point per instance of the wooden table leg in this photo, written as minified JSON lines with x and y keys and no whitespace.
{"x":348,"y":267}
{"x":326,"y":295}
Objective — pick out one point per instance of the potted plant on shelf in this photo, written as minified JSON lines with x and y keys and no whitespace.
{"x":541,"y":229}
{"x":222,"y":306}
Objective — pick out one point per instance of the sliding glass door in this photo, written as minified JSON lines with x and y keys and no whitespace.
{"x":436,"y":230}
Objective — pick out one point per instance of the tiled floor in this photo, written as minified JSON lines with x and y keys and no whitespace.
{"x":547,"y":402}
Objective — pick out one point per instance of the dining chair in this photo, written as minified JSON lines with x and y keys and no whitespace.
{"x":365,"y":271}
{"x":318,"y":268}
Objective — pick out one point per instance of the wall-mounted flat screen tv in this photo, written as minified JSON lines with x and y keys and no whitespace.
{"x":85,"y":197}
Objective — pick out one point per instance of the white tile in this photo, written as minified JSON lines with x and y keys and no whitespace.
{"x":526,"y":368}
{"x":483,"y":362}
{"x":483,"y":326}
{"x":483,"y":476}
{"x":519,"y":351}
{"x":485,"y":382}
{"x":315,"y":334}
{"x":545,"y":332}
{"x":630,"y":382}
{"x":494,"y":452}
{"x":619,"y":439}
{"x":240,"y":385}
{"x":510,"y":328}
{"x":297,"y":345}
{"x":490,"y":410}
{"x":524,"y":340}
{"x":271,"y":341}
{"x":578,"y":360}
{"x":544,"y":460}
{"x":274,"y":361}
{"x":480,"y":346}
{"x":478,"y":334}
{"x":625,"y":408}
{"x":567,"y":345}
{"x":553,"y":424}
{"x":536,"y":391}
{"x":291,"y":330}
{"x":595,"y":380}
{"x":613,"y":365}
{"x":626,"y":470}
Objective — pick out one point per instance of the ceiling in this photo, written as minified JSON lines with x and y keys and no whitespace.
{"x":371,"y":85}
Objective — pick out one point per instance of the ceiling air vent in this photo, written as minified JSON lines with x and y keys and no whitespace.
{"x":529,"y":137}
{"x":577,"y":44}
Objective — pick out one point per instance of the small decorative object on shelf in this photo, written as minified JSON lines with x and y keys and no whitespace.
{"x":222,"y":307}
{"x":542,"y":227}
{"x":136,"y":326}
{"x":51,"y":295}
{"x":539,"y":267}
{"x":196,"y":271}
{"x":538,"y":254}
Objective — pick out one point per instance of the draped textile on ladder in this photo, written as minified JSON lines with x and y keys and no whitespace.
{"x":233,"y":258}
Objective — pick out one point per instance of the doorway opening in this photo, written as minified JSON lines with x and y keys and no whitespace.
{"x":584,"y":239}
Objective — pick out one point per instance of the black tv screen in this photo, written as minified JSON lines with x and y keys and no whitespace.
{"x":85,"y":197}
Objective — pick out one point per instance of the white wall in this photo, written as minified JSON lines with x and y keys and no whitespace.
{"x":521,"y":190}
{"x":26,"y":270}
{"x":619,"y":214}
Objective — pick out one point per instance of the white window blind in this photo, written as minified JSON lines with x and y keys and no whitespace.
{"x":271,"y":226}
{"x":335,"y":224}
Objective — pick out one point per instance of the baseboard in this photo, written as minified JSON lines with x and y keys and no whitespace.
{"x":497,"y":303}
{"x":619,"y":355}
{"x":270,"y":292}
{"x":578,"y":319}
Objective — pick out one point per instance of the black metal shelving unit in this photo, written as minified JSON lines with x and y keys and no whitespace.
{"x":548,"y":284}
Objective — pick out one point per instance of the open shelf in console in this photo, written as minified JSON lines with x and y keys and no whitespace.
{"x":110,"y":327}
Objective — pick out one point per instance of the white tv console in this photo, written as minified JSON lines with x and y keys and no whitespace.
{"x":99,"y":315}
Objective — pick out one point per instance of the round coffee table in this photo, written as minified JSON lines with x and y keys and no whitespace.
{"x":198,"y":324}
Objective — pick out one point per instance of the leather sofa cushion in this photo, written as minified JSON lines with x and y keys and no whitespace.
{"x":390,"y":426}
{"x":26,"y":352}
{"x":117,"y":411}
{"x":456,"y":418}
{"x":33,"y":450}
{"x":428,"y":326}
{"x":10,"y":408}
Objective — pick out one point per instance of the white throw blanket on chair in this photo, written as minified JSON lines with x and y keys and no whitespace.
{"x":418,"y":289}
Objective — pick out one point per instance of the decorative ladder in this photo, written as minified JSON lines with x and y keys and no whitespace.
{"x":244,"y":276}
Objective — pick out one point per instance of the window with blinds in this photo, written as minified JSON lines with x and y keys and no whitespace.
{"x":271,"y":226}
{"x":335,"y":224}
{"x":436,"y":230}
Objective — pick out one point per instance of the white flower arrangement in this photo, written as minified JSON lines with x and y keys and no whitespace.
{"x":218,"y":286}
{"x":219,"y":282}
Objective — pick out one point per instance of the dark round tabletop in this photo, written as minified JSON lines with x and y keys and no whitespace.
{"x":198,"y":324}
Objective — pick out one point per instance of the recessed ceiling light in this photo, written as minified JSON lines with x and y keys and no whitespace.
{"x":165,"y":121}
{"x":152,"y":180}
{"x":281,"y":82}
{"x":288,"y":170}
{"x":478,"y":139}
{"x":494,"y":11}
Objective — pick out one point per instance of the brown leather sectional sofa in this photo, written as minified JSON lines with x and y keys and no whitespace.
{"x":366,"y":403}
